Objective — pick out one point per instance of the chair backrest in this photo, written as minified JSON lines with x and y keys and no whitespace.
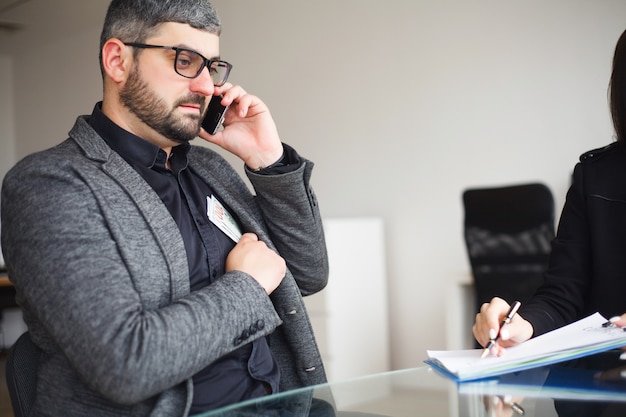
{"x":508,"y":232}
{"x":21,"y":374}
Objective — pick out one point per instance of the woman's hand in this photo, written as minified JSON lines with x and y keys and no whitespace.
{"x":487,"y":325}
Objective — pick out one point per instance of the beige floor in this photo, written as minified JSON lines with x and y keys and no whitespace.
{"x":5,"y":403}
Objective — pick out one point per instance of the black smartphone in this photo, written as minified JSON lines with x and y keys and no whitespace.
{"x":214,"y":115}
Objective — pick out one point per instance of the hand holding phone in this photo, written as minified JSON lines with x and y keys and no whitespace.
{"x":214,"y":115}
{"x":250,"y":132}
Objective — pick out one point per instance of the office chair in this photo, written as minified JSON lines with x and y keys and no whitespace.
{"x":21,"y":374}
{"x":508,"y":232}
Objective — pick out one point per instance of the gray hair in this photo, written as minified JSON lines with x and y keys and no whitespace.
{"x":137,"y":20}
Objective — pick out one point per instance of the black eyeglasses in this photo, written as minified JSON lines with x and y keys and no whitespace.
{"x":189,"y":63}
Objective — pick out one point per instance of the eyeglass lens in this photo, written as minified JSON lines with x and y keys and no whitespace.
{"x":190,"y":64}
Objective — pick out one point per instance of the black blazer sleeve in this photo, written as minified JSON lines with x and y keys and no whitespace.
{"x":587,"y":267}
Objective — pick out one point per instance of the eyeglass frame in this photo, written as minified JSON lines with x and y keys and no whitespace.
{"x":206,"y":62}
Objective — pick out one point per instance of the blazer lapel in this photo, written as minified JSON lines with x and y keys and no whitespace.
{"x":148,"y":203}
{"x":161,"y":223}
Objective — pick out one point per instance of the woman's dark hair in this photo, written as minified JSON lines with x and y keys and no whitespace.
{"x":617,"y":90}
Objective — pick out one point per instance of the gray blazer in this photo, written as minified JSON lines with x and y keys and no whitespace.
{"x":101,"y":274}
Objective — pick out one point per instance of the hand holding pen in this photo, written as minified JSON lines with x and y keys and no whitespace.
{"x":502,"y":405}
{"x":494,"y":337}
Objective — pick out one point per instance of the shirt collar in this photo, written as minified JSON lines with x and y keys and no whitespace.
{"x":135,"y":150}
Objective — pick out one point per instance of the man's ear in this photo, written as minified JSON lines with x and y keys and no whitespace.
{"x":116,"y":60}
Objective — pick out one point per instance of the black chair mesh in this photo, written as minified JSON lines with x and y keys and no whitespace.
{"x":21,"y":374}
{"x":508,"y":233}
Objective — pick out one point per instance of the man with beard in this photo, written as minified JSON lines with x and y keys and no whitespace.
{"x":151,"y":279}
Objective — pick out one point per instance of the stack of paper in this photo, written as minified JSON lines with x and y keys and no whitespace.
{"x":582,"y":338}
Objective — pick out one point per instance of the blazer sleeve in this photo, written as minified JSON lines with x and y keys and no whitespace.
{"x":290,"y":209}
{"x":587,"y":264}
{"x":561,"y":299}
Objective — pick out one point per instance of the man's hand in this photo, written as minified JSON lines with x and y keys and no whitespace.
{"x":249,"y":129}
{"x":488,"y":324}
{"x":253,"y":257}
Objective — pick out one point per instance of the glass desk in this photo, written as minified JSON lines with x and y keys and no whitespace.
{"x":566,"y":390}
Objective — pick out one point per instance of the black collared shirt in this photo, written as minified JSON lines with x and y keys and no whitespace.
{"x":242,"y":374}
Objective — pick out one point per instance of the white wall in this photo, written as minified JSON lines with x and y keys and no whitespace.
{"x":7,"y":131}
{"x":402,"y":104}
{"x":7,"y":115}
{"x":55,"y":83}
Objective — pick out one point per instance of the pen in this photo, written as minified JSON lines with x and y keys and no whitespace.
{"x":609,"y":325}
{"x":506,"y":320}
{"x":514,"y":406}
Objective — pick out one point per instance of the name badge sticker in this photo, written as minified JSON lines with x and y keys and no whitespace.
{"x":220,"y":217}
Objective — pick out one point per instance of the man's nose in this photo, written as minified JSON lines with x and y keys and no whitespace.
{"x":203,"y":83}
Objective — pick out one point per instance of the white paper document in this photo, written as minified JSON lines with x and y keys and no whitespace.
{"x":582,"y":338}
{"x":219,"y":216}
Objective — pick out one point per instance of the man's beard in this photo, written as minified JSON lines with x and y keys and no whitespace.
{"x":154,"y":112}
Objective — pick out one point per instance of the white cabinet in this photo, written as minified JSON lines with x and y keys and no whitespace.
{"x":350,"y":316}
